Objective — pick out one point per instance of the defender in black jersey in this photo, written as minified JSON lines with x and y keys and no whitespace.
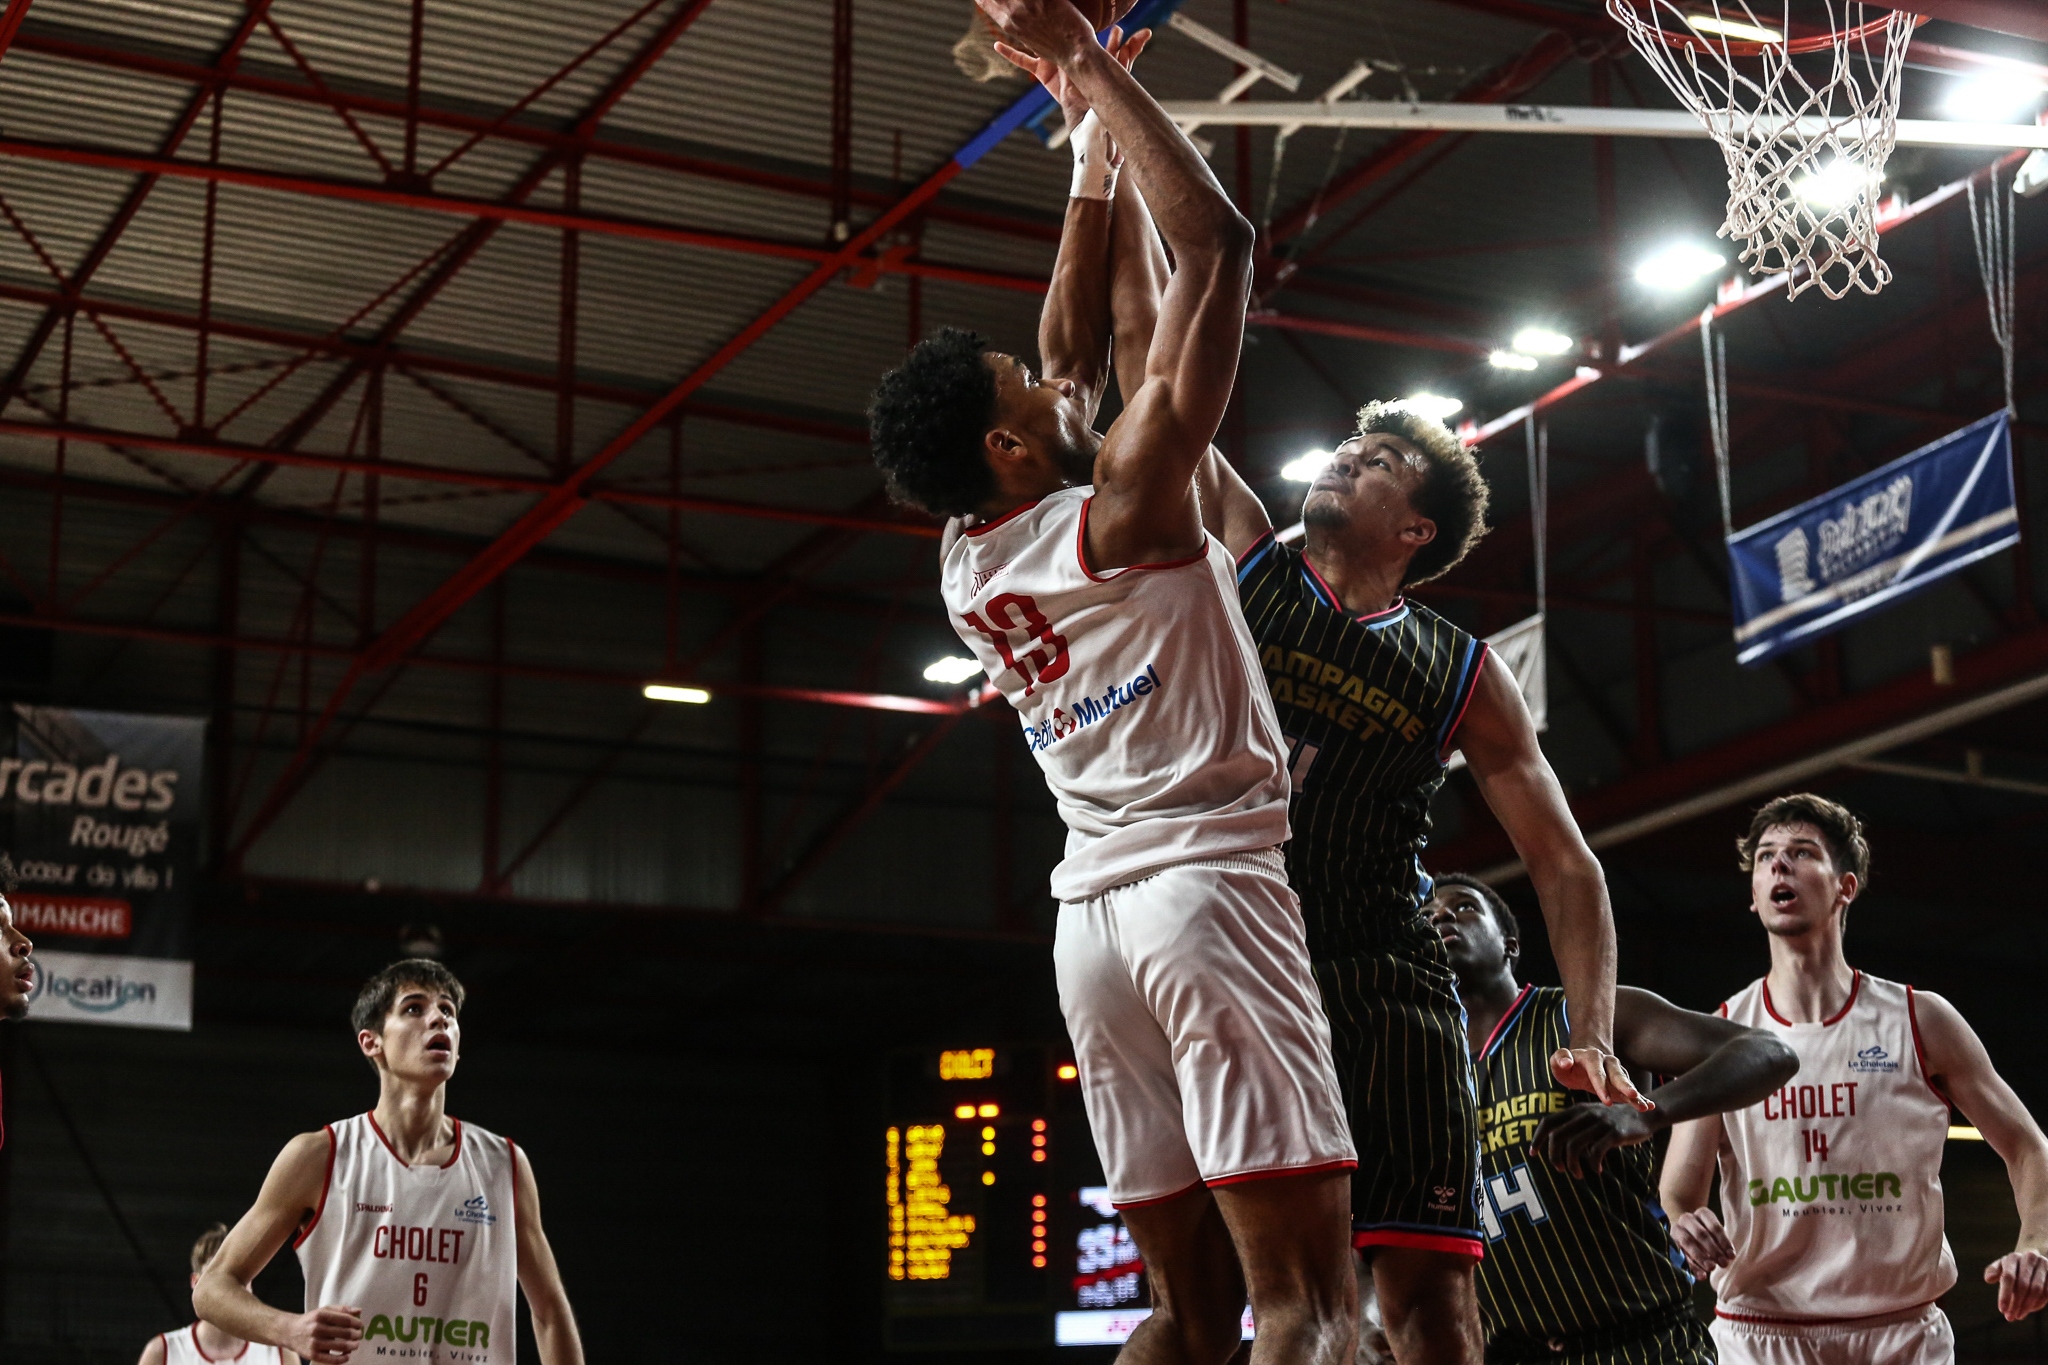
{"x":1579,"y":1263}
{"x":1375,"y":692}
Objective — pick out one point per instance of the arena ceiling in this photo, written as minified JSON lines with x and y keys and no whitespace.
{"x":402,"y":386}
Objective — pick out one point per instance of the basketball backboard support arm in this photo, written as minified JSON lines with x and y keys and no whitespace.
{"x":1562,"y":120}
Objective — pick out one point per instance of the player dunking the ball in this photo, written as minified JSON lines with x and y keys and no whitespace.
{"x":415,"y":1230}
{"x":201,"y":1342}
{"x":1374,"y":693}
{"x":1077,"y":569}
{"x":1579,"y":1266}
{"x":1830,"y":1248}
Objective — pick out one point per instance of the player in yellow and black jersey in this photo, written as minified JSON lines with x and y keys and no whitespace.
{"x":1579,"y":1263}
{"x":1375,"y":692}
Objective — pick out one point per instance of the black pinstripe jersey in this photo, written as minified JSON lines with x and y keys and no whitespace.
{"x":1563,"y":1255}
{"x":1367,"y":704}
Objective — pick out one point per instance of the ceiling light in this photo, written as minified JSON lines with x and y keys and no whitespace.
{"x":1511,"y":360}
{"x":1840,"y":182}
{"x":694,"y":696}
{"x":1434,"y":406}
{"x":1304,"y":467}
{"x":951,"y":669}
{"x":1542,"y":341}
{"x":1733,"y":28}
{"x":1675,"y":267}
{"x":1996,"y":98}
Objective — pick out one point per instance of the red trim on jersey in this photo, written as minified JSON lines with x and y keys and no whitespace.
{"x":1919,"y":1048}
{"x":1255,"y":547}
{"x":1322,"y":584}
{"x":1471,"y":691}
{"x":453,"y":1157}
{"x":1347,"y":1164}
{"x":513,"y":1148}
{"x":1723,"y":1010}
{"x":1157,"y":1199}
{"x":1899,"y":1313}
{"x":987,"y":526}
{"x":1081,"y":553}
{"x":1855,"y":988}
{"x":1500,"y":1025}
{"x":326,"y":1181}
{"x":1449,"y":1242}
{"x":194,"y":1330}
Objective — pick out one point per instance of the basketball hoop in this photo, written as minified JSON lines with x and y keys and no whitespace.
{"x":1803,"y":98}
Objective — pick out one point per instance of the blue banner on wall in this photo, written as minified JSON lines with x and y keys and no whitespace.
{"x":1873,"y":541}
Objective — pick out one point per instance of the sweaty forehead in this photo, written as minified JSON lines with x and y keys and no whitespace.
{"x":1388,"y":444}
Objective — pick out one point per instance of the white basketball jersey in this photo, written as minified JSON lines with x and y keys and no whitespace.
{"x":1139,"y":690}
{"x":1831,"y":1188}
{"x":182,"y":1348}
{"x":429,"y":1253}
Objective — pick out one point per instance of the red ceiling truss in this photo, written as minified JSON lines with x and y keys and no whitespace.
{"x":1302,"y":261}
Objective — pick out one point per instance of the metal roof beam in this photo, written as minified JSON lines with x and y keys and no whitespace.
{"x":502,"y":370}
{"x":52,"y":40}
{"x":460,"y":478}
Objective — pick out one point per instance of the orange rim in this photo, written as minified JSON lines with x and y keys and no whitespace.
{"x":1818,"y":42}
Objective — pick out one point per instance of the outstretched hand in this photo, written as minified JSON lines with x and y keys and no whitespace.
{"x":1597,"y":1070}
{"x":1125,"y":48}
{"x":2022,"y":1280}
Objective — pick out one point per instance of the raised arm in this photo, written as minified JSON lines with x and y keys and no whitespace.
{"x":1074,"y":327}
{"x":1716,"y":1065}
{"x":291,"y":1195}
{"x":1137,"y":279}
{"x":1499,"y":741}
{"x":554,"y":1324}
{"x":1961,"y":1069}
{"x":1145,"y":509}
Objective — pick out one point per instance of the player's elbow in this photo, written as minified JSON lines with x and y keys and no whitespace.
{"x":1224,"y":244}
{"x":1775,"y":1059}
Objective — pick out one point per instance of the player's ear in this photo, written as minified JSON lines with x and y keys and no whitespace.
{"x":371,"y":1042}
{"x":1418,"y":533}
{"x":1850,"y":886}
{"x":1513,"y":947}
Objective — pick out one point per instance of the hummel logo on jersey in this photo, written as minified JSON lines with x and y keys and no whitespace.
{"x":1873,"y":1058}
{"x":982,"y":578}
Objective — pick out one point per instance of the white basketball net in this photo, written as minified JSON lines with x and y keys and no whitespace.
{"x":1806,"y":122}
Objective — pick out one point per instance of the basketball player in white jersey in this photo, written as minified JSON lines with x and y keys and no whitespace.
{"x":411,"y":1226}
{"x":1830,"y":1248}
{"x":1077,"y":569}
{"x":202,"y":1342}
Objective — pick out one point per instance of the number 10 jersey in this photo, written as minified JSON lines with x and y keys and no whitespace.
{"x":1139,"y":690}
{"x":428,"y":1253}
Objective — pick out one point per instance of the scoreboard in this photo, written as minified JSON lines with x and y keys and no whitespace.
{"x":998,"y":1226}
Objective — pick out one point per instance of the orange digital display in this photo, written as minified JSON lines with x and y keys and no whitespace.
{"x":967,"y":1064}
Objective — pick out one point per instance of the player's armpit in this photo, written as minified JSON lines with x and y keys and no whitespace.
{"x":1231,"y":512}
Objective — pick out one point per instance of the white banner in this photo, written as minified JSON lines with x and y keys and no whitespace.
{"x":1520,"y":647}
{"x":96,"y":988}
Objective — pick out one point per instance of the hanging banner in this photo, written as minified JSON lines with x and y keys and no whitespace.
{"x":99,"y":814}
{"x":1879,"y":538}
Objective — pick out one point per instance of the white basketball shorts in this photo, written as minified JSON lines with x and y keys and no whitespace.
{"x":1200,"y":1036}
{"x":1913,"y":1336}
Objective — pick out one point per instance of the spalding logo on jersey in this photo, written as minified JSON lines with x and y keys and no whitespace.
{"x":476,"y":1211}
